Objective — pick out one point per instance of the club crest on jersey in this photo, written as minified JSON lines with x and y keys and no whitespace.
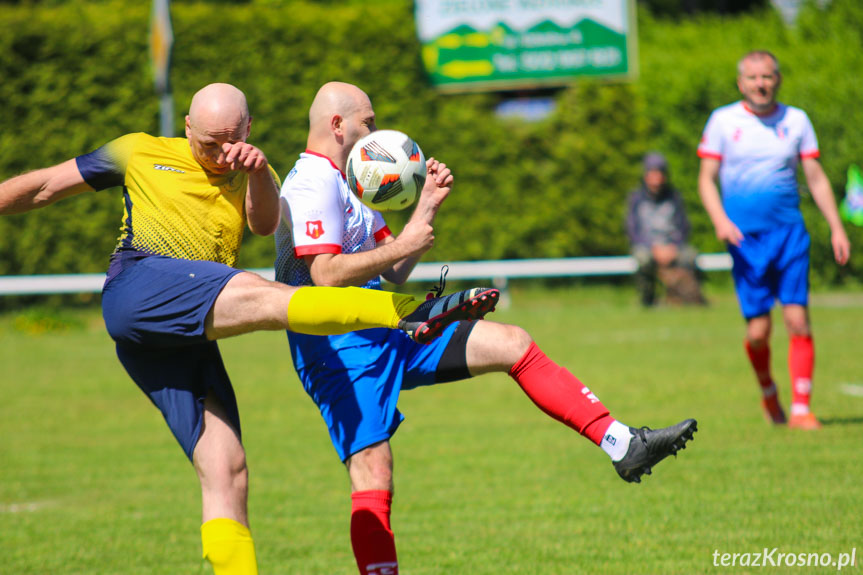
{"x":314,"y":229}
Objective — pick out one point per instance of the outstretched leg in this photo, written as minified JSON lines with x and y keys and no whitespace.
{"x":249,"y":303}
{"x":557,"y":392}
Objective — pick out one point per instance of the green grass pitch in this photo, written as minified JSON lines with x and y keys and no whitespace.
{"x":91,"y":481}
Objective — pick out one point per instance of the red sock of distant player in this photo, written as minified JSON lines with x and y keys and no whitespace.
{"x":371,"y":536}
{"x":560,"y":394}
{"x":801,"y":363}
{"x":759,"y":357}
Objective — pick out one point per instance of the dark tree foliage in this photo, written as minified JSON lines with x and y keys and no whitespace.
{"x":76,"y":74}
{"x":676,"y":8}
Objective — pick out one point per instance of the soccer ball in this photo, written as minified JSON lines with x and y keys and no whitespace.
{"x":386,"y":170}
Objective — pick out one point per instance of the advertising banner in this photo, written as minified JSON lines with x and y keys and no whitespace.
{"x":471,"y":45}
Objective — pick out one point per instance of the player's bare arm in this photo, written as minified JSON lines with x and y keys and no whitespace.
{"x":343,"y":270}
{"x":822,"y":193}
{"x":262,"y":199}
{"x":420,"y":233}
{"x":41,"y":188}
{"x":726,"y":231}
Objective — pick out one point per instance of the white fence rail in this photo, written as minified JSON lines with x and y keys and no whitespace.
{"x":498,"y":271}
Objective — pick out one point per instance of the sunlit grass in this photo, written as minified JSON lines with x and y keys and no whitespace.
{"x":91,"y":480}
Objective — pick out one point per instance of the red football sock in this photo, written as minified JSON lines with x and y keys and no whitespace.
{"x":759,"y":357}
{"x":801,"y":364}
{"x":371,"y":536}
{"x":560,"y":394}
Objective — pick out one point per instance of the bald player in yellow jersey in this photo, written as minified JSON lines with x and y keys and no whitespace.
{"x":171,"y":290}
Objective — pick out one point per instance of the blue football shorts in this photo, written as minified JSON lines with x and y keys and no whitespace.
{"x":357,"y":386}
{"x":155,"y":311}
{"x":771,"y":265}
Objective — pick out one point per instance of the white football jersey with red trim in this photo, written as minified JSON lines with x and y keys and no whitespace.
{"x":758,"y":158}
{"x":321,"y":215}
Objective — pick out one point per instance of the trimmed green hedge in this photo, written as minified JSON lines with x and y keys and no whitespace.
{"x":77,"y":75}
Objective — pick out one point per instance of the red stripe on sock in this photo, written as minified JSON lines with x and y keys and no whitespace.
{"x":371,"y":536}
{"x":801,"y":365}
{"x":560,"y":394}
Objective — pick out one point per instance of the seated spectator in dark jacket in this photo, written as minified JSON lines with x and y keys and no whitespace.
{"x":658,"y":231}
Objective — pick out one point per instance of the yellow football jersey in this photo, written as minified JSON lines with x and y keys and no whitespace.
{"x":172,"y":206}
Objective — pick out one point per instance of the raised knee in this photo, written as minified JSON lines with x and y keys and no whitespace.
{"x":498,"y":345}
{"x":520,"y":339}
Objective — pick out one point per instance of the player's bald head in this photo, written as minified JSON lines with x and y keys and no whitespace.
{"x":339,"y":116}
{"x":217,"y":108}
{"x":218,"y":115}
{"x":757,"y":56}
{"x":335,"y":98}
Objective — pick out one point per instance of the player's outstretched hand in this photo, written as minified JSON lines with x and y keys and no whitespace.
{"x":243,"y":156}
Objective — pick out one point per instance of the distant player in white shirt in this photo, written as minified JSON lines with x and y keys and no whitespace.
{"x":754,"y":147}
{"x":328,"y":237}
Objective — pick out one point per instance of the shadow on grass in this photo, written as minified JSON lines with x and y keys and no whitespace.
{"x":842,"y":420}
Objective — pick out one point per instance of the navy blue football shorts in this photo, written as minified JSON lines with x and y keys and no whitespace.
{"x":155,"y":310}
{"x":356,"y":387}
{"x":771,"y":265}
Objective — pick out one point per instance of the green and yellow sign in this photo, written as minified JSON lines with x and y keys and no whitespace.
{"x":510,"y":44}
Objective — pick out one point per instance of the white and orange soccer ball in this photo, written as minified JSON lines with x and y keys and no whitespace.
{"x":386,"y":170}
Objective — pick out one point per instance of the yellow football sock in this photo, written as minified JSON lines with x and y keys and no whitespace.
{"x":229,"y":548}
{"x":331,"y":311}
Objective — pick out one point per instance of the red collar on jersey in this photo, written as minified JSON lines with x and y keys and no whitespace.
{"x":332,"y":163}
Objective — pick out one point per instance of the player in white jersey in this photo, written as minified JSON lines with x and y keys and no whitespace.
{"x":754,"y":147}
{"x":328,"y":237}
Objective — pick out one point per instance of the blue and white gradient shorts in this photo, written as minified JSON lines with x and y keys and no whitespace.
{"x":357,"y":385}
